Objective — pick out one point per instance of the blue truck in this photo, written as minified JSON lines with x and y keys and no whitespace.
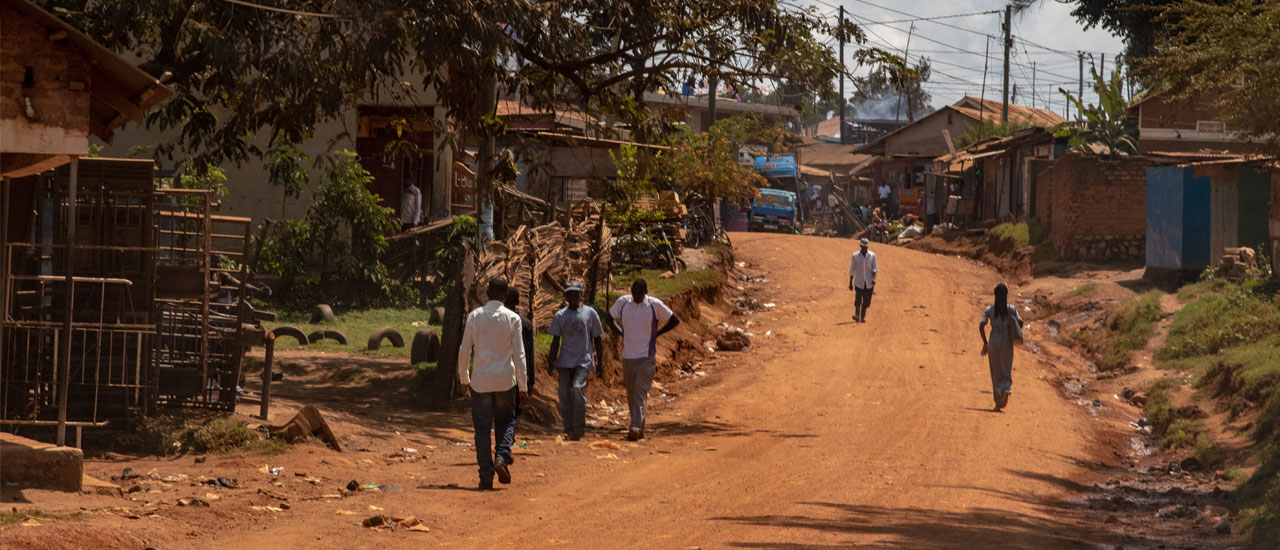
{"x":776,"y":209}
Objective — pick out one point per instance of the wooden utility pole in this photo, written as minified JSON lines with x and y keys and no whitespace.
{"x":1008,"y":44}
{"x":986,"y":63}
{"x":1033,"y":84}
{"x":906,"y":56}
{"x":1081,"y":96}
{"x":843,"y":139}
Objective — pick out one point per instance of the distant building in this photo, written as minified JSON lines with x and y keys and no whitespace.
{"x":698,"y":109}
{"x":1185,"y":125}
{"x":907,"y":154}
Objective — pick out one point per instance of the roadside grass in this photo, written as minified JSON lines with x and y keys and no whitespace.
{"x":1216,"y":320}
{"x":10,"y":517}
{"x":1084,"y":289}
{"x":1012,"y":236}
{"x":664,"y":288}
{"x":1018,"y":234}
{"x":357,"y":326}
{"x":1126,"y":327}
{"x":1227,"y":332}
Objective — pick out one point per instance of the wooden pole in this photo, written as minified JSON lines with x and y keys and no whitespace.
{"x":64,"y":381}
{"x":266,"y":376}
{"x":4,"y":260}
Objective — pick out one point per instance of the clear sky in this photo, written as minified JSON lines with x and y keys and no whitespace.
{"x":1046,"y":35}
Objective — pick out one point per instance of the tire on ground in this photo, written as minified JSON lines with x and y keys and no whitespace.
{"x":322,"y":313}
{"x":293,"y":332}
{"x":426,"y":347}
{"x":375,"y":339}
{"x":437,"y":316}
{"x":330,"y":334}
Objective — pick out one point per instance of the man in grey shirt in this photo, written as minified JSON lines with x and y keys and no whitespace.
{"x":575,"y":352}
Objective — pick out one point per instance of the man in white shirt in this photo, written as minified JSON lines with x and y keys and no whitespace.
{"x":862,"y":280}
{"x":497,"y":380}
{"x":636,"y":318}
{"x":410,"y":205}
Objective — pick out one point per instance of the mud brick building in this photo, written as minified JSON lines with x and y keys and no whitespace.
{"x":1097,"y":207}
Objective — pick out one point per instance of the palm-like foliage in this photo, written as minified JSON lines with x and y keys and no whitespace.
{"x":1108,"y":123}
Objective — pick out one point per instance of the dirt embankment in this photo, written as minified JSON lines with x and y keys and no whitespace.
{"x":1003,"y":255}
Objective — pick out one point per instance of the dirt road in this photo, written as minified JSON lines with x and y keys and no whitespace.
{"x":827,"y":434}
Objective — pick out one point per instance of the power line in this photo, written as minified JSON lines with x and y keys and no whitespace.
{"x":914,"y":19}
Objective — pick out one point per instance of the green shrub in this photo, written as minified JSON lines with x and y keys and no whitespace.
{"x":1159,"y":408}
{"x":334,"y":254}
{"x":1207,"y":451}
{"x":1181,"y":433}
{"x":221,"y":434}
{"x":1017,"y":235}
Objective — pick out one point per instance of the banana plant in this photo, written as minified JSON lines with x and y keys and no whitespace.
{"x":1108,"y":123}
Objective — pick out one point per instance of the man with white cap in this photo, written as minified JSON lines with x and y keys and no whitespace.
{"x":575,"y":352}
{"x":862,"y":280}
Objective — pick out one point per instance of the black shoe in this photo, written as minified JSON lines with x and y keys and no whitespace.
{"x":486,"y":485}
{"x":504,"y":473}
{"x":575,"y":437}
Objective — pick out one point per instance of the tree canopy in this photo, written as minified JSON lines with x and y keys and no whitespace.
{"x":239,"y":67}
{"x":1227,"y":53}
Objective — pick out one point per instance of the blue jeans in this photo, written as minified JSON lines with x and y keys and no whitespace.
{"x":497,"y":411}
{"x":573,"y":399}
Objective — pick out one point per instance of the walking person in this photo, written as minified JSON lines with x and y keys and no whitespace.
{"x":863,"y":268}
{"x":1006,"y":328}
{"x":497,"y":380}
{"x":636,"y":319}
{"x":526,"y":333}
{"x":575,"y":353}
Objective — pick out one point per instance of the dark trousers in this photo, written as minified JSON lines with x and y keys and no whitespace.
{"x":861,"y":301}
{"x":496,"y":411}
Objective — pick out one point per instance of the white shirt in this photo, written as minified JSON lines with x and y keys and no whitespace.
{"x":863,"y":269}
{"x":640,"y":323}
{"x":411,"y":205}
{"x":884,"y":191}
{"x":493,"y":332}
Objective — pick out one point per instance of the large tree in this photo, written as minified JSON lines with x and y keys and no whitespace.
{"x":241,"y":67}
{"x":1141,"y":23}
{"x":1227,"y":52}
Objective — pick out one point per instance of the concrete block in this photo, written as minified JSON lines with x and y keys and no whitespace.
{"x":32,"y":464}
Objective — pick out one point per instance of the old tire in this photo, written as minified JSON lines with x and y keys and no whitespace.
{"x":426,"y":347}
{"x":437,"y":316}
{"x":289,"y":331}
{"x":322,"y":313}
{"x":330,"y":334}
{"x":388,"y":333}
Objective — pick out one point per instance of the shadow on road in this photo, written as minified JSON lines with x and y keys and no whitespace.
{"x":915,"y":528}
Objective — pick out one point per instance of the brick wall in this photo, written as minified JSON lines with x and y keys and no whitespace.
{"x":1098,"y":207}
{"x":60,"y":76}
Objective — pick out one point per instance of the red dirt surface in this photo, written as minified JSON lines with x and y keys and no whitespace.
{"x":824,"y":434}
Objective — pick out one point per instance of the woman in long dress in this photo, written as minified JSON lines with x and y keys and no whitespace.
{"x":1006,"y":328}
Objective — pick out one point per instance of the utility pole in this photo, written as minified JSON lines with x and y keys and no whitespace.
{"x":1103,"y":66}
{"x":1033,"y":84}
{"x":986,"y":62}
{"x":843,"y":139}
{"x":1008,"y":44}
{"x":906,"y":56}
{"x":1081,"y":96}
